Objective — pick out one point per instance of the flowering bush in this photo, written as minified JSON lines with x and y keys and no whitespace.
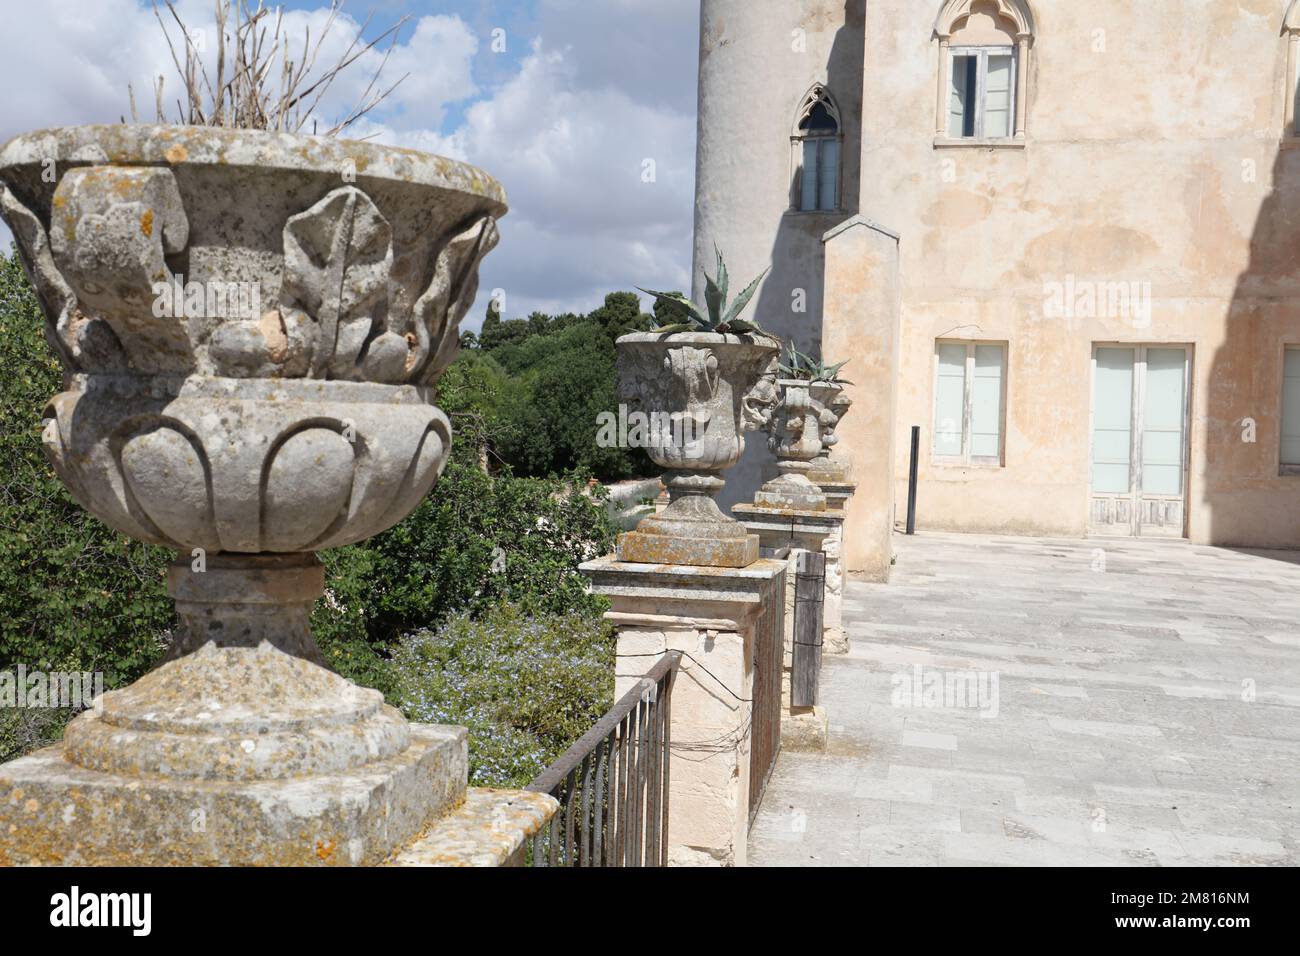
{"x":526,"y":686}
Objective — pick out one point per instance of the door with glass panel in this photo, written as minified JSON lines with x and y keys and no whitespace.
{"x":1139,"y":439}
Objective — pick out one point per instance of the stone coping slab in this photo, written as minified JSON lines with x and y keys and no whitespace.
{"x":787,"y":520}
{"x":491,"y":828}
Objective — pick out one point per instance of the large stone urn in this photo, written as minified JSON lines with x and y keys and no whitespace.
{"x":796,"y":439}
{"x":698,"y":393}
{"x":251,"y":324}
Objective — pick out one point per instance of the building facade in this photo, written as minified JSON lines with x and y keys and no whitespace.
{"x":1097,"y":216}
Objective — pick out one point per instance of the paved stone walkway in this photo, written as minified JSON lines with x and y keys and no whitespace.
{"x":1147,"y":711}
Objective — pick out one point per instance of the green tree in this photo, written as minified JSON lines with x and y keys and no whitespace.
{"x":74,"y":594}
{"x":621,"y":314}
{"x":667,"y":312}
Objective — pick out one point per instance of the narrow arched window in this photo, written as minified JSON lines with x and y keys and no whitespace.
{"x":817,"y":141}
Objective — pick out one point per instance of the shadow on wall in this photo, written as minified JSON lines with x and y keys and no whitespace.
{"x":798,"y":260}
{"x":1244,"y":498}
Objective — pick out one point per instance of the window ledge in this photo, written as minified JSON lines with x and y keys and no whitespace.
{"x":1289,"y":471}
{"x":1289,"y":142}
{"x":952,"y":464}
{"x":814,"y":212}
{"x":970,"y":142}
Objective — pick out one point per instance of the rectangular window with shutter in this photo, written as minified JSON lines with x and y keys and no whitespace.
{"x":969,"y":402}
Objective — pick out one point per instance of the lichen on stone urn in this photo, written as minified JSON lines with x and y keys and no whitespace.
{"x":252,"y":324}
{"x":698,"y":393}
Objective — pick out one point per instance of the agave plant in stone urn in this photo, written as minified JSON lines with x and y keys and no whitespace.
{"x":701,"y":384}
{"x":251,"y":324}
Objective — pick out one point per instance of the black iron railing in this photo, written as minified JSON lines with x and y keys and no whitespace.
{"x":613,"y":783}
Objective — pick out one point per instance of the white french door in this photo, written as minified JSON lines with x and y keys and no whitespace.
{"x":1139,"y":439}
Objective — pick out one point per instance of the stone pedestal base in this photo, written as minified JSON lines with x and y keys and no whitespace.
{"x":805,"y":729}
{"x":789,"y":532}
{"x":637,"y":547}
{"x":240,"y":750}
{"x":711,"y":616}
{"x":53,"y":812}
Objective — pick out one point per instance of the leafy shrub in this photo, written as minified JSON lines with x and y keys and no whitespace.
{"x":476,"y":542}
{"x":74,"y":595}
{"x":24,"y":729}
{"x":527,"y":686}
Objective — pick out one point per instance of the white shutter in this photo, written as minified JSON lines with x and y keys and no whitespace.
{"x":808,"y":184}
{"x":986,"y":403}
{"x":1162,"y":422}
{"x":1291,"y":409}
{"x":829,"y":174}
{"x":1112,"y":421}
{"x":949,"y":400}
{"x":997,"y":97}
{"x":960,"y":96}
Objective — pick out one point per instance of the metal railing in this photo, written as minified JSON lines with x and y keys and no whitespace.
{"x":613,"y":783}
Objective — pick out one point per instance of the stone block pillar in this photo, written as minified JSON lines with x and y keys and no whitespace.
{"x":711,"y":616}
{"x":861,"y":324}
{"x":788,"y":533}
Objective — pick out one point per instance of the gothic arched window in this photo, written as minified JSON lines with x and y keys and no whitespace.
{"x":817,"y":141}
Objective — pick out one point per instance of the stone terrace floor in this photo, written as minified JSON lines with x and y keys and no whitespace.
{"x":1125,"y":731}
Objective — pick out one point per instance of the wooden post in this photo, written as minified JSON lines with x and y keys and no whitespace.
{"x":809,"y":595}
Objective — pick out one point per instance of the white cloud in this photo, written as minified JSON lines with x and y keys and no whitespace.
{"x":605,"y":88}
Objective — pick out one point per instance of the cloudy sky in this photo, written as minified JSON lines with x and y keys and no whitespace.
{"x":564,"y":101}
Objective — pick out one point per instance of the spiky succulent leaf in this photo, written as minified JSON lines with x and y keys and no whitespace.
{"x":741,"y":326}
{"x":723,"y":281}
{"x":696,"y":313}
{"x":673,"y":329}
{"x":715,"y":299}
{"x":742,"y":300}
{"x":833,"y":372}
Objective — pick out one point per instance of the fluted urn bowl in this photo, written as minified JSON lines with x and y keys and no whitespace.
{"x":698,"y":393}
{"x":251,"y":323}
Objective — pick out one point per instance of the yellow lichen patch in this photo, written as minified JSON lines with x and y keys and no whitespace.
{"x":176,"y":154}
{"x":146,"y":223}
{"x":277,"y":341}
{"x":325,"y":850}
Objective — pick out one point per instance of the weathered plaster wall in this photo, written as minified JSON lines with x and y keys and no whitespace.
{"x":754,"y":72}
{"x":1153,"y":156}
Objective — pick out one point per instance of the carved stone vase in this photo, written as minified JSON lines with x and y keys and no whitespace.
{"x":251,"y":325}
{"x":831,"y":467}
{"x":697,"y":394}
{"x":796,"y":434}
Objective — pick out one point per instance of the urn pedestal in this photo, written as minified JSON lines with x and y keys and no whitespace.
{"x":251,"y":324}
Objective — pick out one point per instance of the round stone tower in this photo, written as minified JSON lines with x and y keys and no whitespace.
{"x":774,"y":73}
